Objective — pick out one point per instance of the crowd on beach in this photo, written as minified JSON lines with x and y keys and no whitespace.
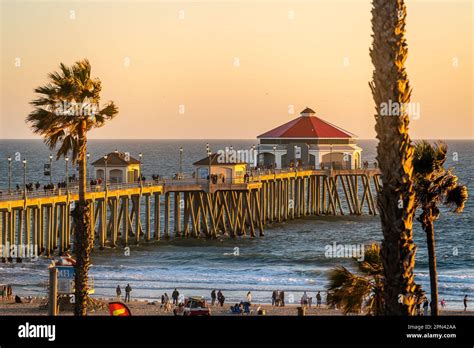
{"x":218,"y":299}
{"x":244,"y":306}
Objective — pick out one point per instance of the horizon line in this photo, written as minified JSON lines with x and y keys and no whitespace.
{"x":227,"y":139}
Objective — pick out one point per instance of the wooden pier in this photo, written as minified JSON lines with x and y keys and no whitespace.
{"x":125,"y":214}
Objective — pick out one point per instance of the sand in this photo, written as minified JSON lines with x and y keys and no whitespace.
{"x":37,"y":307}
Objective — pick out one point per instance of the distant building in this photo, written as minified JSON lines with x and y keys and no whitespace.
{"x":230,"y":171}
{"x":309,"y":140}
{"x":121,"y":167}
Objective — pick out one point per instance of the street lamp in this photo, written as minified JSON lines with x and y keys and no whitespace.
{"x":252,"y":157}
{"x":296,"y":162}
{"x":105,"y":174}
{"x":66,"y":159}
{"x":50,"y":169}
{"x":208,"y":149}
{"x":9,"y":174}
{"x":258,"y":155}
{"x":88,"y":156}
{"x":24,"y":178}
{"x":180,"y":162}
{"x":274,"y":157}
{"x":140,"y":155}
{"x":309,"y":157}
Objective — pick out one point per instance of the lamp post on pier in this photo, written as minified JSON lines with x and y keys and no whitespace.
{"x":274,"y":158}
{"x":252,"y":156}
{"x":140,"y":155}
{"x":88,"y":156}
{"x":66,"y":159}
{"x":258,"y":155}
{"x":24,"y":179}
{"x":296,"y":160}
{"x":309,"y":157}
{"x":208,"y":149}
{"x":50,"y":169}
{"x":105,"y":173}
{"x":9,"y":175}
{"x":180,"y":163}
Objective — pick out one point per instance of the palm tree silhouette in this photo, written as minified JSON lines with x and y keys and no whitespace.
{"x":66,"y":110}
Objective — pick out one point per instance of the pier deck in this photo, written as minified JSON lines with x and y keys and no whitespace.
{"x":125,"y":214}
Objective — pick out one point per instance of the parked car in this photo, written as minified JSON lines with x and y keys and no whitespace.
{"x":193,"y":306}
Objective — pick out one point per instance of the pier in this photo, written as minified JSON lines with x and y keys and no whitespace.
{"x":39,"y":222}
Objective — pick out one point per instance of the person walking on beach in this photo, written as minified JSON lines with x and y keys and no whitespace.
{"x":304,"y":299}
{"x":282,"y":298}
{"x":175,"y":296}
{"x":167,"y":304}
{"x":418,"y":309}
{"x":162,"y":301}
{"x":128,"y":289}
{"x":318,"y":299}
{"x":465,"y":303}
{"x":119,"y":293}
{"x":274,"y":297}
{"x":220,"y":298}
{"x":249,"y":297}
{"x":425,"y":308}
{"x":213,"y":297}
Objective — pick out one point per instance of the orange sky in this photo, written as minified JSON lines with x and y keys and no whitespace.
{"x":236,"y":67}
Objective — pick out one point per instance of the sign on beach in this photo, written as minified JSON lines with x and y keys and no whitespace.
{"x":66,"y":276}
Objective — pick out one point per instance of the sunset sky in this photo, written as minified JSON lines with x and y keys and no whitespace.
{"x":236,"y":68}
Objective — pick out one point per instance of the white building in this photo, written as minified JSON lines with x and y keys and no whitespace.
{"x":309,"y":140}
{"x":121,"y":167}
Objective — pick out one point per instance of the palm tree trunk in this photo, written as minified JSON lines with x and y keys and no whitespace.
{"x":83,"y":240}
{"x":430,"y":239}
{"x":390,"y":86}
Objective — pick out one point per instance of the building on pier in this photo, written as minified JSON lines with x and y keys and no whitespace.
{"x":309,"y":140}
{"x":121,"y":167}
{"x":224,"y":168}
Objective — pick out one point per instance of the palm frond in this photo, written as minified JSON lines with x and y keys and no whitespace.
{"x":347,"y":290}
{"x":59,"y":123}
{"x":457,"y":197}
{"x":372,"y":262}
{"x":428,"y":158}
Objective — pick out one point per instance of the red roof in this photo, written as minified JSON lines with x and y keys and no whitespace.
{"x":307,"y":127}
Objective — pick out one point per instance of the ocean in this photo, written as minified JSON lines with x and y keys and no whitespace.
{"x":290,"y":257}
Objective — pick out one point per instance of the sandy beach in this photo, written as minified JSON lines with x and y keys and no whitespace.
{"x":37,"y":306}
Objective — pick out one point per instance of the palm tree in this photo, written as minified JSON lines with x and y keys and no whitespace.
{"x":434,"y":185}
{"x":355,"y":292}
{"x":66,"y":110}
{"x":396,"y":200}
